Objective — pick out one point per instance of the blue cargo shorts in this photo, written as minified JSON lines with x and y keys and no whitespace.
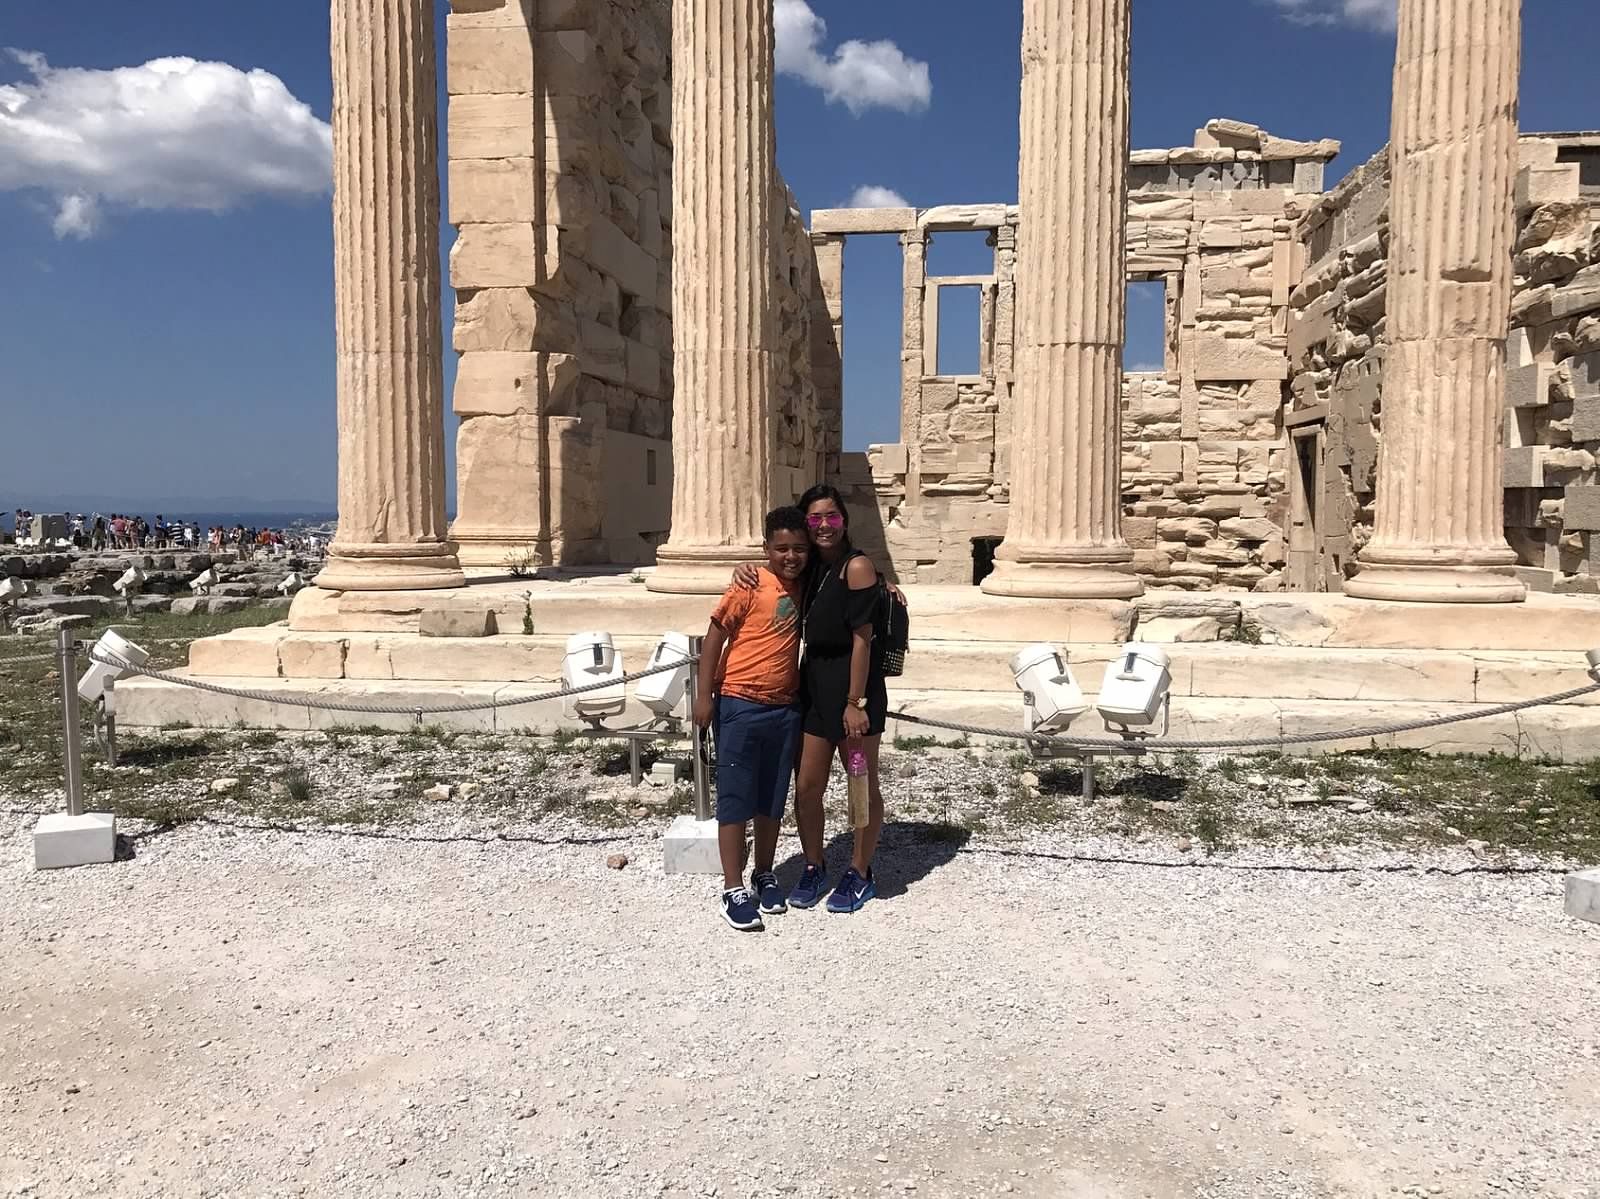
{"x":756,"y":744}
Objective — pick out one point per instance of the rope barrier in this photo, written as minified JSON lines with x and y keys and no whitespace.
{"x":378,"y":709}
{"x":1101,"y":744}
{"x":1083,"y":744}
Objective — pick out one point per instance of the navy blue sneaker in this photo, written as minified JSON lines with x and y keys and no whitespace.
{"x":808,"y":891}
{"x":768,"y":893}
{"x":852,"y":893}
{"x":739,"y":910}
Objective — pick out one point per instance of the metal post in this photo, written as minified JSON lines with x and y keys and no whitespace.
{"x":697,"y":738}
{"x":635,"y":762}
{"x":108,"y":712}
{"x":73,"y":748}
{"x":1088,"y":778}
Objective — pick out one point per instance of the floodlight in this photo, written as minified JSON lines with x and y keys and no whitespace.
{"x":1593,"y":656}
{"x":203,"y":581}
{"x":667,"y":694}
{"x":1051,"y":697}
{"x":593,"y":658}
{"x":292,"y":583}
{"x":12,"y":589}
{"x":1136,"y":686}
{"x":92,"y":686}
{"x":131,"y":582}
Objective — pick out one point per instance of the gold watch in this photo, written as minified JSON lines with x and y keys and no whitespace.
{"x":858,"y":704}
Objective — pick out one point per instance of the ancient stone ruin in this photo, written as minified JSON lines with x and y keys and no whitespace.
{"x":650,"y":334}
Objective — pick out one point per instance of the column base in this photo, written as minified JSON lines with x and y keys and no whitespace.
{"x":1062,"y":580}
{"x":700,"y":570}
{"x":1437,"y":584}
{"x":492,"y":547}
{"x":411,"y":566}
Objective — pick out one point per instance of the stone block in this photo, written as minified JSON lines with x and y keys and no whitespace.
{"x":863,"y":220}
{"x":486,"y":61}
{"x":1524,"y":466}
{"x":512,"y":319}
{"x":613,"y":252}
{"x":604,"y":352}
{"x":1309,"y":176}
{"x":504,"y":126}
{"x":500,"y":384}
{"x":1578,"y":295}
{"x":1586,"y":419}
{"x":1539,"y":185}
{"x":1528,"y":386}
{"x":500,"y":255}
{"x":61,"y":841}
{"x":1166,"y":457}
{"x":1249,"y":529}
{"x":1583,"y":895}
{"x":457,"y":622}
{"x":1217,"y":358}
{"x":1581,"y":511}
{"x":1582,"y":373}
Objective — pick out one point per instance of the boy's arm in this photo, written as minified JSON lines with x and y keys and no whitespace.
{"x":711,"y":648}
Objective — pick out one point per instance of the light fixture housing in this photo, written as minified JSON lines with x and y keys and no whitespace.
{"x":667,"y":694}
{"x":593,"y":658}
{"x":92,"y":686}
{"x":1051,"y":697}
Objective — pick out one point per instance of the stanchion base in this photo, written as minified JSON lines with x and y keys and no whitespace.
{"x":690,"y":847}
{"x":60,"y":840}
{"x":1583,"y":896}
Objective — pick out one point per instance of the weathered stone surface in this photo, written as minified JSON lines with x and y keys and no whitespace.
{"x":501,"y":384}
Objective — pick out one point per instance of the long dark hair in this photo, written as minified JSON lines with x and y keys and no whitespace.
{"x":826,"y":491}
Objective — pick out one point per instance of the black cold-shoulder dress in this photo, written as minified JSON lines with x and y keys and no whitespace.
{"x":833,"y":613}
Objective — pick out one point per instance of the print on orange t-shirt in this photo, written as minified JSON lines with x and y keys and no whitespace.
{"x":762,"y":661}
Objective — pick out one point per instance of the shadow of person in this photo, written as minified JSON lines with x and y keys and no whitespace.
{"x":908,"y":852}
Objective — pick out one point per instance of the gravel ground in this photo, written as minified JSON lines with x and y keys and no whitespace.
{"x":246,"y":1012}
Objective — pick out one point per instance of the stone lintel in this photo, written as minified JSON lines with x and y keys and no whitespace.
{"x":863,"y":220}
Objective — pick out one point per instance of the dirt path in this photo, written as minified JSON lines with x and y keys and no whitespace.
{"x":260,"y":1014}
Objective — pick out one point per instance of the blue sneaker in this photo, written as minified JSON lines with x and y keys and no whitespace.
{"x":852,"y":893}
{"x":739,"y":910}
{"x":768,"y":893}
{"x":808,"y":891}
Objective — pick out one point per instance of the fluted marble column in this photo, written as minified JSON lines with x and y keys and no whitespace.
{"x":386,"y":302}
{"x":722,"y":318}
{"x":1440,"y":532}
{"x":1064,"y":536}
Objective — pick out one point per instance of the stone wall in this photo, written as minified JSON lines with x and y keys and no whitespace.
{"x":1204,"y":463}
{"x":560,"y":180}
{"x":1552,"y":420}
{"x":1553,"y":376}
{"x":1336,"y":351}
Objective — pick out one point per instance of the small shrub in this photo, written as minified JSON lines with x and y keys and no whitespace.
{"x":298,"y":786}
{"x":521,"y":562}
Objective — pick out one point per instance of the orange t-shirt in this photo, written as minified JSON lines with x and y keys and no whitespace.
{"x":762,"y":661}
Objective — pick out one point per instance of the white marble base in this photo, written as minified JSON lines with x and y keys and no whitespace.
{"x":1583,"y":895}
{"x":690,"y":847}
{"x":60,"y":840}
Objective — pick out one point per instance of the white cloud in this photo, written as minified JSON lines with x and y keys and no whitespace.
{"x":870,"y":195}
{"x":172,"y":133}
{"x":1364,"y":14}
{"x":76,"y":216}
{"x":860,"y":75}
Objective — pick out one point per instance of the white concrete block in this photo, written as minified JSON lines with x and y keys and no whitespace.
{"x":1583,"y":896}
{"x":667,"y":773}
{"x":60,"y":840}
{"x":690,"y":847}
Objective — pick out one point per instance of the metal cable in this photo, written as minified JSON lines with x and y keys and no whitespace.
{"x":378,"y":709}
{"x":1179,"y":743}
{"x":27,"y":658}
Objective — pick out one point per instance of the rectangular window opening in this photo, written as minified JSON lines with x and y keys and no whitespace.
{"x":960,"y":330}
{"x":967,"y":252}
{"x":872,"y":334}
{"x":1144,"y":347}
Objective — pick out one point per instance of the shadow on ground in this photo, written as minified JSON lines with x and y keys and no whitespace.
{"x":908,"y":852}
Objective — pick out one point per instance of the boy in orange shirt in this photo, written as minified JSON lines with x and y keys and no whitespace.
{"x":749,"y":693}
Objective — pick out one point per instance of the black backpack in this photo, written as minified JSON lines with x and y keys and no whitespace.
{"x":891,"y":632}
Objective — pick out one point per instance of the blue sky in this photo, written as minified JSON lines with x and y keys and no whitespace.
{"x":166,"y":324}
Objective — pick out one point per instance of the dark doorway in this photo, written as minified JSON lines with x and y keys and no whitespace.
{"x":983,"y":549}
